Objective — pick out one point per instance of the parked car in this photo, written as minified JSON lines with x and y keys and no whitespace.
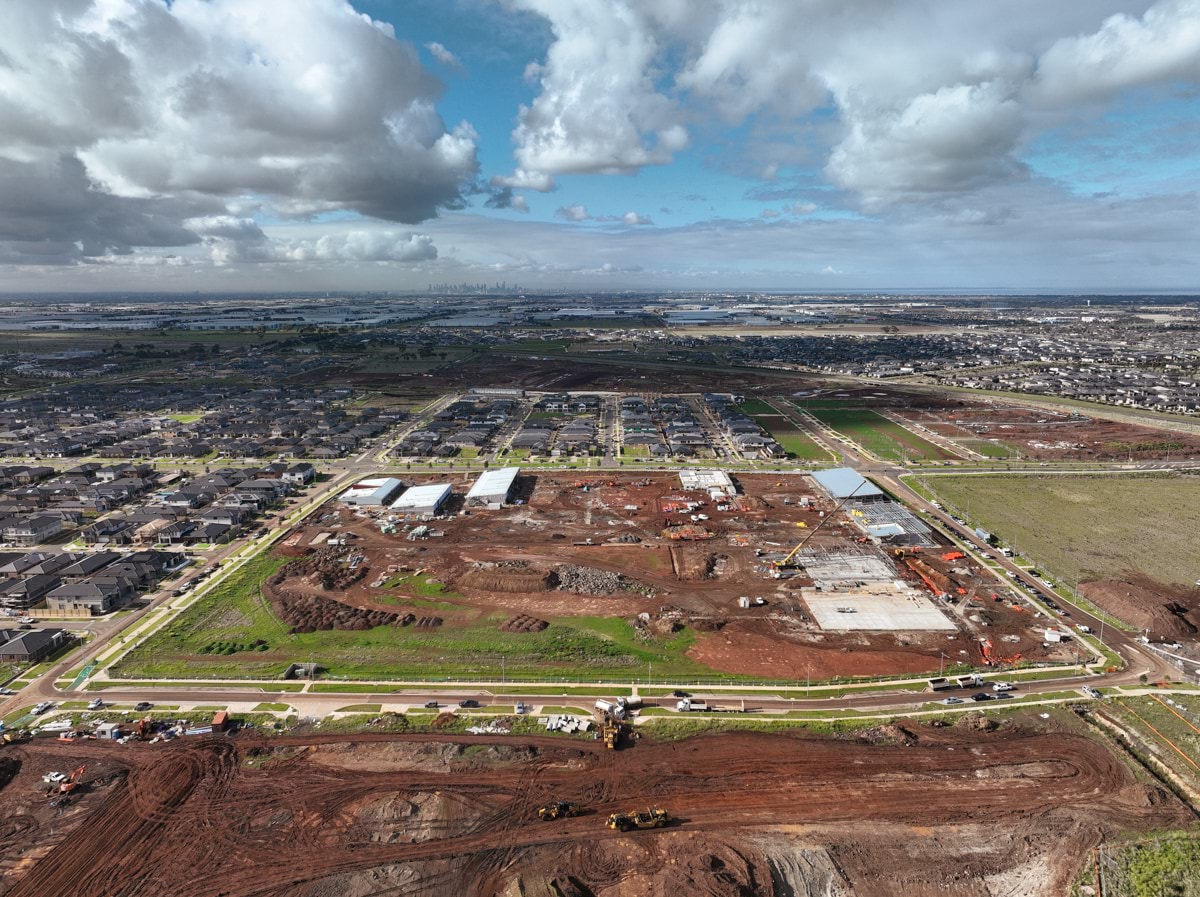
{"x":143,"y":706}
{"x":952,"y":700}
{"x":981,"y":696}
{"x":679,"y":693}
{"x":7,"y":691}
{"x":42,"y":707}
{"x":95,"y":704}
{"x":1002,"y":686}
{"x":469,"y":702}
{"x":431,"y":705}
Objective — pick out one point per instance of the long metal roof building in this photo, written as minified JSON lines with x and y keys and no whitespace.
{"x":373,"y":492}
{"x":422,"y":500}
{"x":494,"y":486}
{"x":846,"y":482}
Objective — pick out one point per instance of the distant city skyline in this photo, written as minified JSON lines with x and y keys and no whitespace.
{"x":310,"y":145}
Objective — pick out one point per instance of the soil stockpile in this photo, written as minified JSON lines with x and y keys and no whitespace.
{"x":1168,"y":612}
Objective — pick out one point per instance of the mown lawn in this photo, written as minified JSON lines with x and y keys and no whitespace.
{"x":236,"y":612}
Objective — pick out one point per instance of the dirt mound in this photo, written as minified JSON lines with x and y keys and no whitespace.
{"x":514,"y":578}
{"x":326,"y":567}
{"x":1168,"y":612}
{"x":626,"y":539}
{"x":889,"y":733}
{"x":427,"y":622}
{"x":523,"y":623}
{"x":308,"y":613}
{"x":8,"y":770}
{"x":976,"y":722}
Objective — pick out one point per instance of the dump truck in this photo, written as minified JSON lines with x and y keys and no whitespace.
{"x":563,"y":809}
{"x":651,"y":817}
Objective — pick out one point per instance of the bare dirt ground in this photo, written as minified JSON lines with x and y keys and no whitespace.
{"x":1048,"y":435}
{"x":1167,"y":612}
{"x":552,"y":374}
{"x":534,"y":560}
{"x":916,"y":810}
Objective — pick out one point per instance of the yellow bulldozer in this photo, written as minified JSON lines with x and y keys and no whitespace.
{"x":610,"y":731}
{"x":651,"y":817}
{"x":563,"y":809}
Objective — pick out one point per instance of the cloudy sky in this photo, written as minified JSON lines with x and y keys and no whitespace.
{"x":793,"y":144}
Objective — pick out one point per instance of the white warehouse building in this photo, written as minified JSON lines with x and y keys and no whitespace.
{"x":494,"y":487}
{"x":422,"y":501}
{"x":374,"y":492}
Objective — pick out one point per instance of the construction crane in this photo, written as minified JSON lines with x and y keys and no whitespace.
{"x":786,"y":563}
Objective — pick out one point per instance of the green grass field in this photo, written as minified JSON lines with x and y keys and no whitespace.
{"x":1164,"y":863}
{"x":878,"y":435}
{"x":1087,"y":526}
{"x":795,"y":441}
{"x":756,"y":406}
{"x":236,"y":613}
{"x":987,"y":448}
{"x":1171,"y":725}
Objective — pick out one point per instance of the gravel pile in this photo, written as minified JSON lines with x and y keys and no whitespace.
{"x":590,"y":581}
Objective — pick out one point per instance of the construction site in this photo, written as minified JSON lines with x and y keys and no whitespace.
{"x":918,"y":809}
{"x":774,"y":576}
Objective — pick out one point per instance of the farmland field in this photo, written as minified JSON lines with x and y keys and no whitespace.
{"x":880,"y":436}
{"x":795,"y":441}
{"x":1091,"y":527}
{"x":756,"y":406}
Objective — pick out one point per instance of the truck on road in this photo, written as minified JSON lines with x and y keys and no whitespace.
{"x":694,"y":705}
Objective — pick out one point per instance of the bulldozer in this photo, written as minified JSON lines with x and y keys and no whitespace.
{"x":563,"y":809}
{"x":651,"y":817}
{"x":611,"y":732}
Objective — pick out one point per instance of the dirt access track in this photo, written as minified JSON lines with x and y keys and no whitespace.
{"x":921,"y":810}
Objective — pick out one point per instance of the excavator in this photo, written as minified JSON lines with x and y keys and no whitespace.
{"x":563,"y":809}
{"x":73,"y":781}
{"x":651,"y":817}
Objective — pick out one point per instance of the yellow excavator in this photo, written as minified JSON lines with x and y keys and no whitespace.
{"x":651,"y":817}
